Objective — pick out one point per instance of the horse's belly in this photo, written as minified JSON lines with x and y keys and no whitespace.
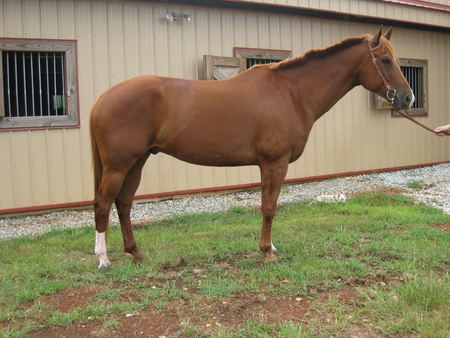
{"x":211,"y":144}
{"x":212,"y":158}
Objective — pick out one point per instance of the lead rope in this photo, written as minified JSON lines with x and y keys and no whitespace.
{"x":404,"y":114}
{"x":390,"y":93}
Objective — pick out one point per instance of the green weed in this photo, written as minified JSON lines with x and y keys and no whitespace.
{"x":417,"y":185}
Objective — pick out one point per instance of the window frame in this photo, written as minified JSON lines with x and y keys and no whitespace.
{"x":72,"y":119}
{"x":261,"y":53}
{"x":422,"y":111}
{"x":212,"y":66}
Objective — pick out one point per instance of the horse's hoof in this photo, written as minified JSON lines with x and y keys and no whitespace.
{"x":271,"y":260}
{"x":138,"y":260}
{"x":104,"y":266}
{"x":137,"y":257}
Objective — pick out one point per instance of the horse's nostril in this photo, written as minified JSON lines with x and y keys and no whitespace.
{"x":408,"y":98}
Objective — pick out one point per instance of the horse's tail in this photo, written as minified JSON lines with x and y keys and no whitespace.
{"x":96,"y":160}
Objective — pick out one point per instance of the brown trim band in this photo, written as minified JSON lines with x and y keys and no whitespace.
{"x":309,"y":12}
{"x":7,"y":212}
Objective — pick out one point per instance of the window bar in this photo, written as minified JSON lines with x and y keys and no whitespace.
{"x":32,"y":83}
{"x":40,"y":83}
{"x":418,"y":88}
{"x":9,"y":85}
{"x":55,"y":103}
{"x":17,"y":90}
{"x":411,"y":80}
{"x":24,"y":83}
{"x":48,"y":89}
{"x":414,"y":80}
{"x":63,"y":89}
{"x":417,"y":81}
{"x":414,"y":76}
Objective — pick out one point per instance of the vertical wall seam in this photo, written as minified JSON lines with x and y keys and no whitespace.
{"x":13,"y":177}
{"x":108,"y":43}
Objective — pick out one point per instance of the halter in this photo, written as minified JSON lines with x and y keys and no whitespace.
{"x":390,"y":92}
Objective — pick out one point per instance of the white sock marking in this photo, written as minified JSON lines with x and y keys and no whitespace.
{"x":273,"y":247}
{"x":100,"y":249}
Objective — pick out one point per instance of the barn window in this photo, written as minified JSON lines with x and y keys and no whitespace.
{"x":260,"y":56}
{"x":222,"y":67}
{"x":416,"y":72}
{"x":37,"y":84}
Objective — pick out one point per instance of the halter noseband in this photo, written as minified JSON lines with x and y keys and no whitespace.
{"x":390,"y":92}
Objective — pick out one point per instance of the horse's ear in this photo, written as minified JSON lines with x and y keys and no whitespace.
{"x":376,"y":38}
{"x":388,"y":34}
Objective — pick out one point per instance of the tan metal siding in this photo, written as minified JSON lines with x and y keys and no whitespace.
{"x":117,"y":40}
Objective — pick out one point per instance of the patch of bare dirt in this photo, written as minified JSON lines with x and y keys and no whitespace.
{"x":69,"y":299}
{"x":72,"y":331}
{"x":149,"y":323}
{"x":443,"y":227}
{"x":237,"y":308}
{"x":203,"y":313}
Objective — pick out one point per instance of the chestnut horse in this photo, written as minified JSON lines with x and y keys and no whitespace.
{"x":262,"y":117}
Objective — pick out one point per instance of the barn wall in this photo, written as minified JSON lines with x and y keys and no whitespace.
{"x":117,"y":40}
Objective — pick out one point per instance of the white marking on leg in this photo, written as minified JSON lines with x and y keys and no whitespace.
{"x":274,"y":250}
{"x":100,"y":250}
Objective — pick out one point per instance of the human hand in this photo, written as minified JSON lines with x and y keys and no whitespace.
{"x":443,"y":130}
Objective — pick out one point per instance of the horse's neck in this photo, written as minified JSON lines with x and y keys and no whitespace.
{"x":320,"y":83}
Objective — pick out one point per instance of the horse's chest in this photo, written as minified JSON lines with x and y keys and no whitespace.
{"x":298,"y":144}
{"x":297,"y":151}
{"x":279,"y":144}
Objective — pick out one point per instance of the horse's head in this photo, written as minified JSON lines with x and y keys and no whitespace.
{"x":381,"y":72}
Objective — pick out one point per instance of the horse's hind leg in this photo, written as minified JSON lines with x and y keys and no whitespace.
{"x":110,"y":185}
{"x":124,"y":203}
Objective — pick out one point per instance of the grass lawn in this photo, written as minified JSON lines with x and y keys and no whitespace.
{"x":377,"y":265}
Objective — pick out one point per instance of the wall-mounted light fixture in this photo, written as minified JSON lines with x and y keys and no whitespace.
{"x":171,"y":17}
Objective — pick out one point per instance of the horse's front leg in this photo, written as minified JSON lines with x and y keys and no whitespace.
{"x":272,"y":177}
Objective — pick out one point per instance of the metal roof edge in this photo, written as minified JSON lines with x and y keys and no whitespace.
{"x":422,"y":4}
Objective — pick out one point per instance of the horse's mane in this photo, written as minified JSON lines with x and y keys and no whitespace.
{"x":318,"y":53}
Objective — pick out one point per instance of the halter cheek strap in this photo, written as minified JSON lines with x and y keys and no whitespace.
{"x":390,"y":92}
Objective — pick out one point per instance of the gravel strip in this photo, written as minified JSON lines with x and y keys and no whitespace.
{"x":429,"y":185}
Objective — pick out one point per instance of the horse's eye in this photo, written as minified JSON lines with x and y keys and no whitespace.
{"x":386,"y":61}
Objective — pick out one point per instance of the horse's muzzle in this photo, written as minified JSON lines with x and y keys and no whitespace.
{"x":404,"y":100}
